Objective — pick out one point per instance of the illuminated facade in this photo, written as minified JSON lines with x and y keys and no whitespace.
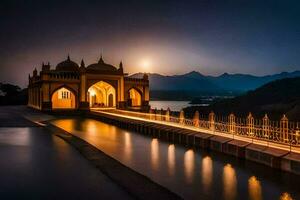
{"x":99,"y":85}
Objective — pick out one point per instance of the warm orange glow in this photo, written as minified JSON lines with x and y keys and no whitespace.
{"x":128,"y":147}
{"x":92,"y":92}
{"x":154,"y":153}
{"x":145,"y":64}
{"x":254,"y":188}
{"x":203,"y":128}
{"x":102,"y":94}
{"x":189,"y":164}
{"x":286,"y":196}
{"x":171,"y":159}
{"x":229,"y":182}
{"x":135,"y":96}
{"x":63,"y":99}
{"x":207,"y":173}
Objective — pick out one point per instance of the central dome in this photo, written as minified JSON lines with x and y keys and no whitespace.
{"x":101,"y":66}
{"x":67,"y":65}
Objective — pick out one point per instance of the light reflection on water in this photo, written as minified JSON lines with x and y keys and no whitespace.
{"x":154,"y":154}
{"x":128,"y":147}
{"x":229,"y":182}
{"x":190,"y":173}
{"x":171,"y":159}
{"x":286,"y":196}
{"x":254,"y":188}
{"x":207,"y":169}
{"x":189,"y":164}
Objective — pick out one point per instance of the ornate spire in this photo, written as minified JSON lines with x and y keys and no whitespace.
{"x":82,"y":63}
{"x":101,"y":59}
{"x":68,"y":59}
{"x":121,"y":65}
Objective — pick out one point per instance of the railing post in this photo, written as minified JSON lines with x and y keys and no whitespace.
{"x":266,"y":127}
{"x":167,"y":116}
{"x":297,"y":134}
{"x":232,"y":123}
{"x":181,"y":117}
{"x":211,"y":119}
{"x":250,"y":124}
{"x":284,"y":129}
{"x":196,"y":119}
{"x":151,"y":114}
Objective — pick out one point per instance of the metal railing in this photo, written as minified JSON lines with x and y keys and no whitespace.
{"x":280,"y":132}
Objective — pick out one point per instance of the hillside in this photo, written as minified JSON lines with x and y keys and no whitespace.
{"x":275,"y":98}
{"x":196,"y":84}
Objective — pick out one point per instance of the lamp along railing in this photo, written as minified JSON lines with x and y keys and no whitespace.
{"x":283,"y":131}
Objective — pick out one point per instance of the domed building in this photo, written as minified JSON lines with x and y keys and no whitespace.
{"x":76,"y":87}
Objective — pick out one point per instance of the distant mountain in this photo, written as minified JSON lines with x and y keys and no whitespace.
{"x":275,"y":98}
{"x":191,"y":81}
{"x":199,"y":83}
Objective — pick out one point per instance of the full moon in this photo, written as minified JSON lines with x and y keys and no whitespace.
{"x":145,"y":64}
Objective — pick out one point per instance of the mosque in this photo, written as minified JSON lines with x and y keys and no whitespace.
{"x":99,"y":85}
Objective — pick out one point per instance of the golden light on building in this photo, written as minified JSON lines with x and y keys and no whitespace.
{"x":63,"y":98}
{"x":171,"y":159}
{"x":135,"y":97}
{"x":155,"y":153}
{"x":102,"y":94}
{"x":254,"y":188}
{"x":207,"y":173}
{"x":229,"y":182}
{"x":189,"y":164}
{"x":77,"y":87}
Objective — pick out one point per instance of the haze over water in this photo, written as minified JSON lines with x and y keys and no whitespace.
{"x":193,"y":174}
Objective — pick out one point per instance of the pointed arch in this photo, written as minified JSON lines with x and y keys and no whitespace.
{"x":135,"y":97}
{"x":102,"y":94}
{"x":63,"y":98}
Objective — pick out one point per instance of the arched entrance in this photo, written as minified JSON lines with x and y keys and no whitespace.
{"x":135,"y":97}
{"x":101,"y":94}
{"x":63,"y":98}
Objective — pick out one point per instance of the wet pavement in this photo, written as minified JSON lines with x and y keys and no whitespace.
{"x":36,"y":164}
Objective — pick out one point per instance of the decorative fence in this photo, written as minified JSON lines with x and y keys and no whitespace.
{"x":283,"y":131}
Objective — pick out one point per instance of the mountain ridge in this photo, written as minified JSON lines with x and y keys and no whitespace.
{"x":275,"y":99}
{"x":224,"y":83}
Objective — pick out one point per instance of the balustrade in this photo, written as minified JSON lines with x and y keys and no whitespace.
{"x":283,"y":131}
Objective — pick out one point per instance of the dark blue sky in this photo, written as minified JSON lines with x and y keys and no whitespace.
{"x":168,"y":37}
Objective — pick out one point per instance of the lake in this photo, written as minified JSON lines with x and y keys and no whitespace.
{"x":173,"y":105}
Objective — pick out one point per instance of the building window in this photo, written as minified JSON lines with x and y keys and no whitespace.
{"x":64,"y":94}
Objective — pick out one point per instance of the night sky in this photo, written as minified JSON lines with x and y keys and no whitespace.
{"x":167,"y":37}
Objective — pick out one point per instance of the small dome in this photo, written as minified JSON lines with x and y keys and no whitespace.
{"x":101,"y":66}
{"x":67,"y":65}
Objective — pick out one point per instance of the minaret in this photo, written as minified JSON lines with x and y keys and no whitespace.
{"x":82,"y":63}
{"x":120,"y":67}
{"x":34,"y":72}
{"x":82,"y":66}
{"x":101,"y":59}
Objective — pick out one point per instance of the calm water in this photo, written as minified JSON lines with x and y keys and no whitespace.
{"x":191,"y":174}
{"x":173,"y":105}
{"x":38,"y":165}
